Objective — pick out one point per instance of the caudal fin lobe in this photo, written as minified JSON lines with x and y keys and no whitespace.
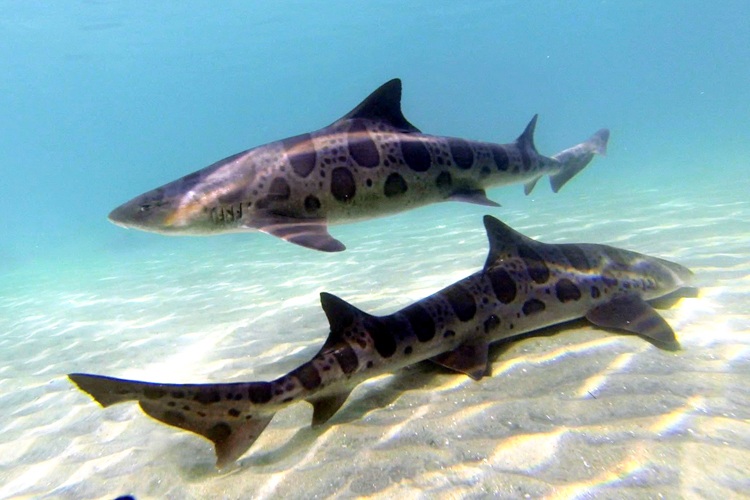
{"x":226,"y":414}
{"x":575,"y":159}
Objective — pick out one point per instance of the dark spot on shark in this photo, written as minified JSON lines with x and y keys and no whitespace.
{"x":343,"y":186}
{"x":609,"y":281}
{"x":346,"y":358}
{"x":503,"y":285}
{"x":171,"y":403}
{"x":421,"y":322}
{"x":279,"y":189}
{"x":173,"y":417}
{"x":312,"y":203}
{"x":219,"y":432}
{"x":230,"y":198}
{"x":485,"y":171}
{"x":368,"y":182}
{"x":448,"y":334}
{"x":394,"y":185}
{"x":408,"y":350}
{"x":191,"y":180}
{"x":535,"y":265}
{"x":616,"y":256}
{"x":154,"y":393}
{"x":533,"y":306}
{"x":259,"y":392}
{"x":462,"y":154}
{"x":566,"y":290}
{"x":308,"y":376}
{"x":444,"y":181}
{"x":461,"y":301}
{"x":301,"y":154}
{"x":576,"y":257}
{"x":500,"y":156}
{"x":416,"y":155}
{"x":207,"y":396}
{"x":233,"y":412}
{"x":491,"y":323}
{"x":381,"y":335}
{"x":595,"y":293}
{"x":525,"y":159}
{"x":288,"y":400}
{"x":361,"y":146}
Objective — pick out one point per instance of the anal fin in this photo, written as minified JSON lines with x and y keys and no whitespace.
{"x":469,"y":358}
{"x":325,"y":407}
{"x":632,"y":314}
{"x":306,"y":233}
{"x":475,"y":196}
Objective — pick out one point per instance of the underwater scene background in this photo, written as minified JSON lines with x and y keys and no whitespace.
{"x":101,"y":101}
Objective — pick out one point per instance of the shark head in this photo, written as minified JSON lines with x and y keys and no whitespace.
{"x":151,"y":211}
{"x":191,"y":204}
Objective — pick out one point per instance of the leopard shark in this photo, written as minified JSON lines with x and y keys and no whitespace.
{"x":524,"y":285}
{"x":371,"y":162}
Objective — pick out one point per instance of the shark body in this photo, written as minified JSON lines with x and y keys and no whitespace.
{"x":371,"y":162}
{"x":524,"y":285}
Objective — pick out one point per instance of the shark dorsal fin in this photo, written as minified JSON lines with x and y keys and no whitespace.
{"x":504,"y":240}
{"x":526,"y":139}
{"x":340,"y":314}
{"x":383,"y":105}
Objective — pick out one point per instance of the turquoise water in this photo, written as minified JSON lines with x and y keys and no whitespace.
{"x":100,"y":101}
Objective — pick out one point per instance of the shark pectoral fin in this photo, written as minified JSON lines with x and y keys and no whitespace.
{"x":476,"y":196}
{"x":632,"y":314}
{"x":231,"y":436}
{"x":469,"y":358}
{"x":306,"y":233}
{"x":325,"y":407}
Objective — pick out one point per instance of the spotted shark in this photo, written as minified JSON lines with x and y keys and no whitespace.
{"x":524,"y":285}
{"x":371,"y":162}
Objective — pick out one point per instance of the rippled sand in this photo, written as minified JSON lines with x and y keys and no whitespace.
{"x":572,"y":412}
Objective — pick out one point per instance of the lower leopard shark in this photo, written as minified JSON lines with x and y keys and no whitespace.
{"x":525,"y":285}
{"x":369,"y":163}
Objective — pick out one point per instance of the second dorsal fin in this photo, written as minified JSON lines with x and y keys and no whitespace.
{"x":383,"y":105}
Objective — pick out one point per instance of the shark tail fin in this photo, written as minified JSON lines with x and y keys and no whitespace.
{"x":232,"y":416}
{"x":575,"y":159}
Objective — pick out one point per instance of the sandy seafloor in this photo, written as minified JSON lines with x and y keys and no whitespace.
{"x":576,"y":412}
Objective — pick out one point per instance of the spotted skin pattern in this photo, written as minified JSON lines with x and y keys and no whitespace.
{"x":371,"y":162}
{"x":525,"y":285}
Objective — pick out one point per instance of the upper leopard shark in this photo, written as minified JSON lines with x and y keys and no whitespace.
{"x":524,"y":285}
{"x":369,"y":163}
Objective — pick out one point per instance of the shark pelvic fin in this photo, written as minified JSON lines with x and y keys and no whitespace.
{"x":575,"y":159}
{"x":526,"y":139}
{"x":325,"y":407}
{"x":383,"y":105}
{"x":306,"y":233}
{"x":475,"y":196}
{"x":504,"y":240}
{"x":469,"y":358}
{"x":632,"y":314}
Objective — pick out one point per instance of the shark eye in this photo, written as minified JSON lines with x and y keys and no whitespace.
{"x":145,"y":207}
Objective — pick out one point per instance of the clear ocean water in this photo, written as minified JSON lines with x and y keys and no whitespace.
{"x":103,"y":100}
